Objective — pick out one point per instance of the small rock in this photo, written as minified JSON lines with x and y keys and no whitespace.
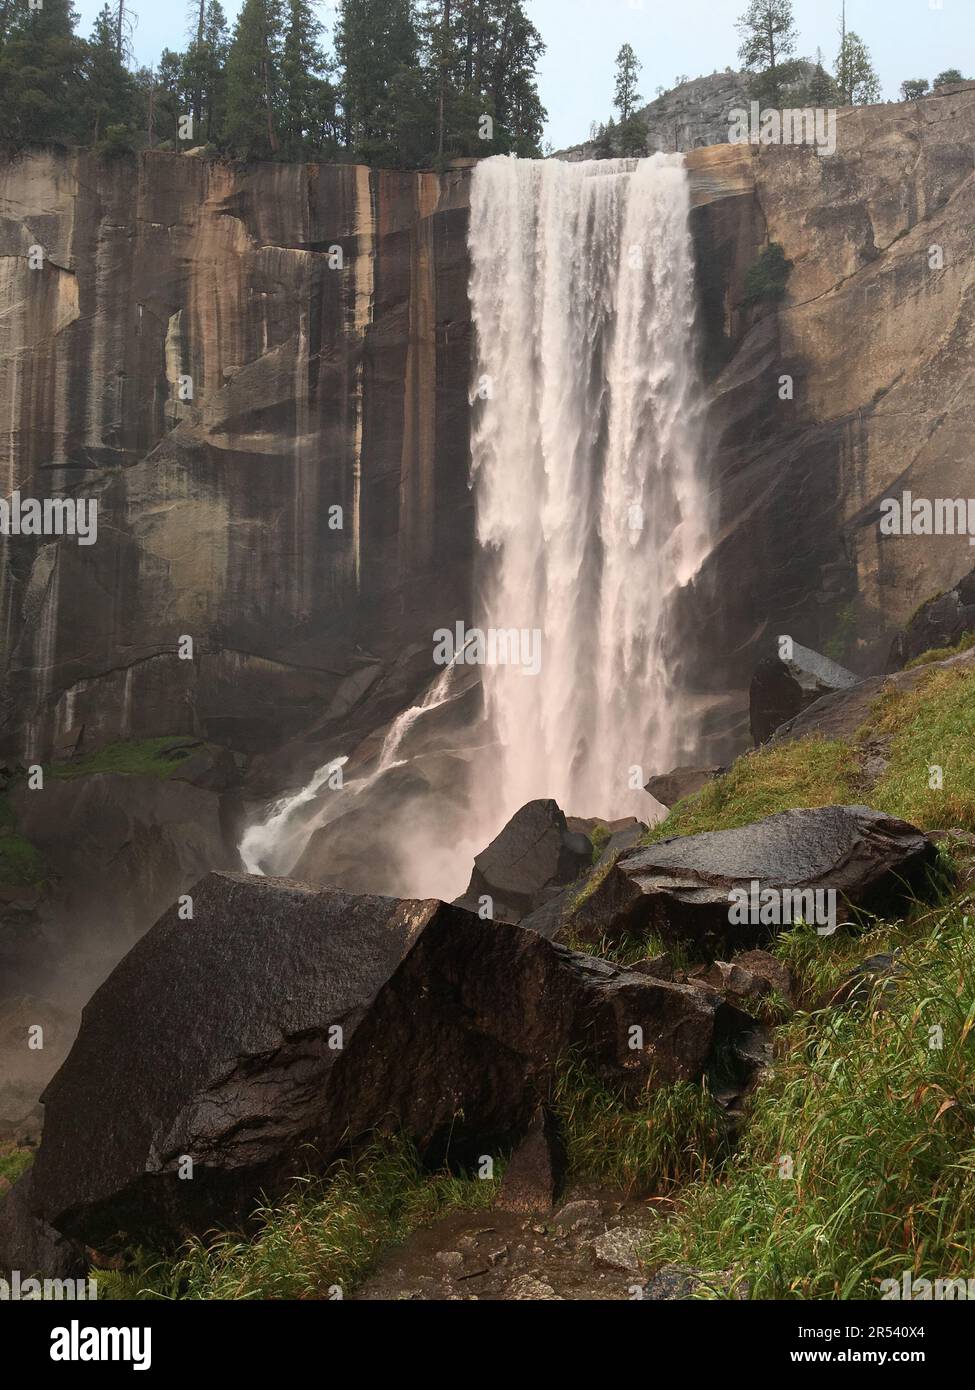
{"x":670,"y":1282}
{"x":449,"y":1259}
{"x":535,"y":1172}
{"x":527,"y":1287}
{"x":618,"y":1249}
{"x":577,"y":1216}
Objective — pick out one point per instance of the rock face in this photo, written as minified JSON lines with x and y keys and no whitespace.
{"x":878,"y":347}
{"x":692,"y":114}
{"x":318,"y":316}
{"x":450,"y":1029}
{"x":528,"y":864}
{"x":680,"y":888}
{"x":941,"y":622}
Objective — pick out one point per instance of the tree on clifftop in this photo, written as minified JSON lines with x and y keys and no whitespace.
{"x":769,"y":39}
{"x":627,"y":70}
{"x":855,"y":73}
{"x":253,"y":74}
{"x":914,"y":88}
{"x":41,"y":62}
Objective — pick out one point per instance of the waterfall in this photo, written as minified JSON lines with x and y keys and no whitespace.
{"x":591,"y":506}
{"x":592,"y":512}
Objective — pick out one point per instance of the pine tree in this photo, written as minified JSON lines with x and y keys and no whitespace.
{"x":110,"y":100}
{"x":511,"y":48}
{"x":304,"y":100}
{"x":375,"y":41}
{"x":253,"y":75}
{"x":769,"y":38}
{"x":855,"y":73}
{"x":818,"y":89}
{"x":626,"y":95}
{"x":41,"y":75}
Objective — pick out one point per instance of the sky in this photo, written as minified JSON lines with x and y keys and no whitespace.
{"x":906,"y":38}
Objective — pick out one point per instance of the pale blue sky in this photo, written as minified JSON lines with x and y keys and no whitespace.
{"x":907,"y":38}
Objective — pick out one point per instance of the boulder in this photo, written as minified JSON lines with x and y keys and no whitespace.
{"x":536,"y":1172}
{"x":30,"y":1245}
{"x":782,"y":688}
{"x":840,"y":715}
{"x":533,"y":858}
{"x":283,"y":1022}
{"x":773,"y":697}
{"x":680,"y":888}
{"x":680,"y":782}
{"x":941,"y":622}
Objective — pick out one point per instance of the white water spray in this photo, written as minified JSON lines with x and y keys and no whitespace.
{"x":275,"y":844}
{"x":591,"y":508}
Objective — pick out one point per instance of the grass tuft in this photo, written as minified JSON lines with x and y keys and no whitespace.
{"x":878,"y":1124}
{"x":326,"y":1234}
{"x":138,"y":758}
{"x":641,"y":1144}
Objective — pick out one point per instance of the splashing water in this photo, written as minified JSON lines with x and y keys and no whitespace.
{"x":275,"y":844}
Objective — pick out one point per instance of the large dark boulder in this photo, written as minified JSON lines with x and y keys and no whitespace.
{"x":535,"y":856}
{"x":680,"y":887}
{"x":840,"y":714}
{"x":941,"y":622}
{"x":773,"y":697}
{"x":214,"y":1040}
{"x":781,"y":688}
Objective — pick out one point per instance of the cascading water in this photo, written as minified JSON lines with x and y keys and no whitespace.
{"x":591,"y":507}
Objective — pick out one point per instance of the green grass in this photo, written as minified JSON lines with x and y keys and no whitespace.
{"x":932,"y":725}
{"x":640,"y":1144}
{"x":942,"y":653}
{"x":14,"y":1162}
{"x":600,"y":838}
{"x":21,"y":863}
{"x":138,"y":758}
{"x":327,"y":1233}
{"x":880,"y":1129}
{"x":815,"y":772}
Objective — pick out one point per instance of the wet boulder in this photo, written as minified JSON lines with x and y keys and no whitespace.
{"x":232,"y":1050}
{"x":686,"y":887}
{"x":781,"y":688}
{"x":528,"y":864}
